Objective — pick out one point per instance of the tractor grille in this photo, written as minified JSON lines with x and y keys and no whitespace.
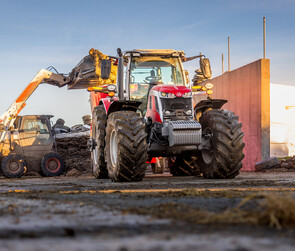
{"x":177,"y":107}
{"x":177,"y":103}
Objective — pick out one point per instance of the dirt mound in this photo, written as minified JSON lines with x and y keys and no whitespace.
{"x":73,"y":148}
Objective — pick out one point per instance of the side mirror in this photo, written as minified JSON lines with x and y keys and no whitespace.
{"x":205,"y":67}
{"x":105,"y":68}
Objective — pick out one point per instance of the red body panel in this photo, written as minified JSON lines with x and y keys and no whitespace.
{"x":153,"y":113}
{"x":177,"y":90}
{"x":106,"y":102}
{"x":153,"y":161}
{"x":95,"y":98}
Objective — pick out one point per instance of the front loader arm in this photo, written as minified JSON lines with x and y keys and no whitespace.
{"x":43,"y":76}
{"x":86,"y":74}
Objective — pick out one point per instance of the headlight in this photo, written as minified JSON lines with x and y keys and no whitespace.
{"x":209,"y":86}
{"x":188,"y":112}
{"x":187,"y":95}
{"x":171,"y":95}
{"x":164,"y":94}
{"x":167,"y":113}
{"x":167,"y":95}
{"x":111,"y":88}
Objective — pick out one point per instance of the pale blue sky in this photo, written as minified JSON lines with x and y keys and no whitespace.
{"x":36,"y":34}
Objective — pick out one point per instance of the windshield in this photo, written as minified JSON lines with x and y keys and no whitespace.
{"x":162,"y":70}
{"x":148,"y":71}
{"x":34,"y":131}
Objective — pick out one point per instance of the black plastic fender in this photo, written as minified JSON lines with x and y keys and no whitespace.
{"x":123,"y":105}
{"x":203,"y":105}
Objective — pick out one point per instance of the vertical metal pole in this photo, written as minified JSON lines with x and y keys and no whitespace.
{"x":222,"y":60}
{"x":264,"y":37}
{"x":228,"y":41}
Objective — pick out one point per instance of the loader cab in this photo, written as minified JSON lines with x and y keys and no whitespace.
{"x":35,"y":138}
{"x":35,"y":130}
{"x":149,"y":68}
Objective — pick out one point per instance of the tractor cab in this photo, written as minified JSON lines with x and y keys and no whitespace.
{"x":149,"y":68}
{"x":157,"y":80}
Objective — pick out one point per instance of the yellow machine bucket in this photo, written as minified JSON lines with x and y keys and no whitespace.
{"x":87,"y":73}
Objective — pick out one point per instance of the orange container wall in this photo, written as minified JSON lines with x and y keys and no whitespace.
{"x":247,"y":90}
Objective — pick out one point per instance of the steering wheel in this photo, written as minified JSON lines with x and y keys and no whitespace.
{"x":153,"y":78}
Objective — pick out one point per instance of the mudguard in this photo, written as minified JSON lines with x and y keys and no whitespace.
{"x":203,"y":105}
{"x":119,"y":105}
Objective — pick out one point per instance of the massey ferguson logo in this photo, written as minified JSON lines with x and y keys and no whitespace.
{"x":178,"y":94}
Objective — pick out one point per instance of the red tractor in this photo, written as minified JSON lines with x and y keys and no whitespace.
{"x":145,"y":109}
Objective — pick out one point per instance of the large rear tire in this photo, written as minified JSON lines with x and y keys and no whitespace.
{"x":222,"y":158}
{"x":186,"y":166}
{"x":126,"y":146}
{"x":99,"y":166}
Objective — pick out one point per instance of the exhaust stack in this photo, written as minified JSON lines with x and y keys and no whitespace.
{"x":120,"y":79}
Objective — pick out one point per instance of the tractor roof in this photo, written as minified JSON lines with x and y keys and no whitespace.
{"x":155,"y":52}
{"x":39,"y":116}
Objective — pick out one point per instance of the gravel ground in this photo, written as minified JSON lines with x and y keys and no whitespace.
{"x":82,"y":213}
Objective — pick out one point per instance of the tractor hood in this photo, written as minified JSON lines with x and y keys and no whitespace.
{"x":178,"y":91}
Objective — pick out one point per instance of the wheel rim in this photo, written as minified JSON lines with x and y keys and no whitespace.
{"x":207,"y":153}
{"x":14,"y":166}
{"x":53,"y":165}
{"x":95,"y":154}
{"x":94,"y":149}
{"x":113,"y":148}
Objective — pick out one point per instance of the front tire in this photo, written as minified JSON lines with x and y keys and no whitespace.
{"x":126,"y":146}
{"x":99,"y":166}
{"x":52,"y":165}
{"x":222,"y":158}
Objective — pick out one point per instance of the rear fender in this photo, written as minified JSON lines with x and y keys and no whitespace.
{"x":203,"y":105}
{"x":119,"y":105}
